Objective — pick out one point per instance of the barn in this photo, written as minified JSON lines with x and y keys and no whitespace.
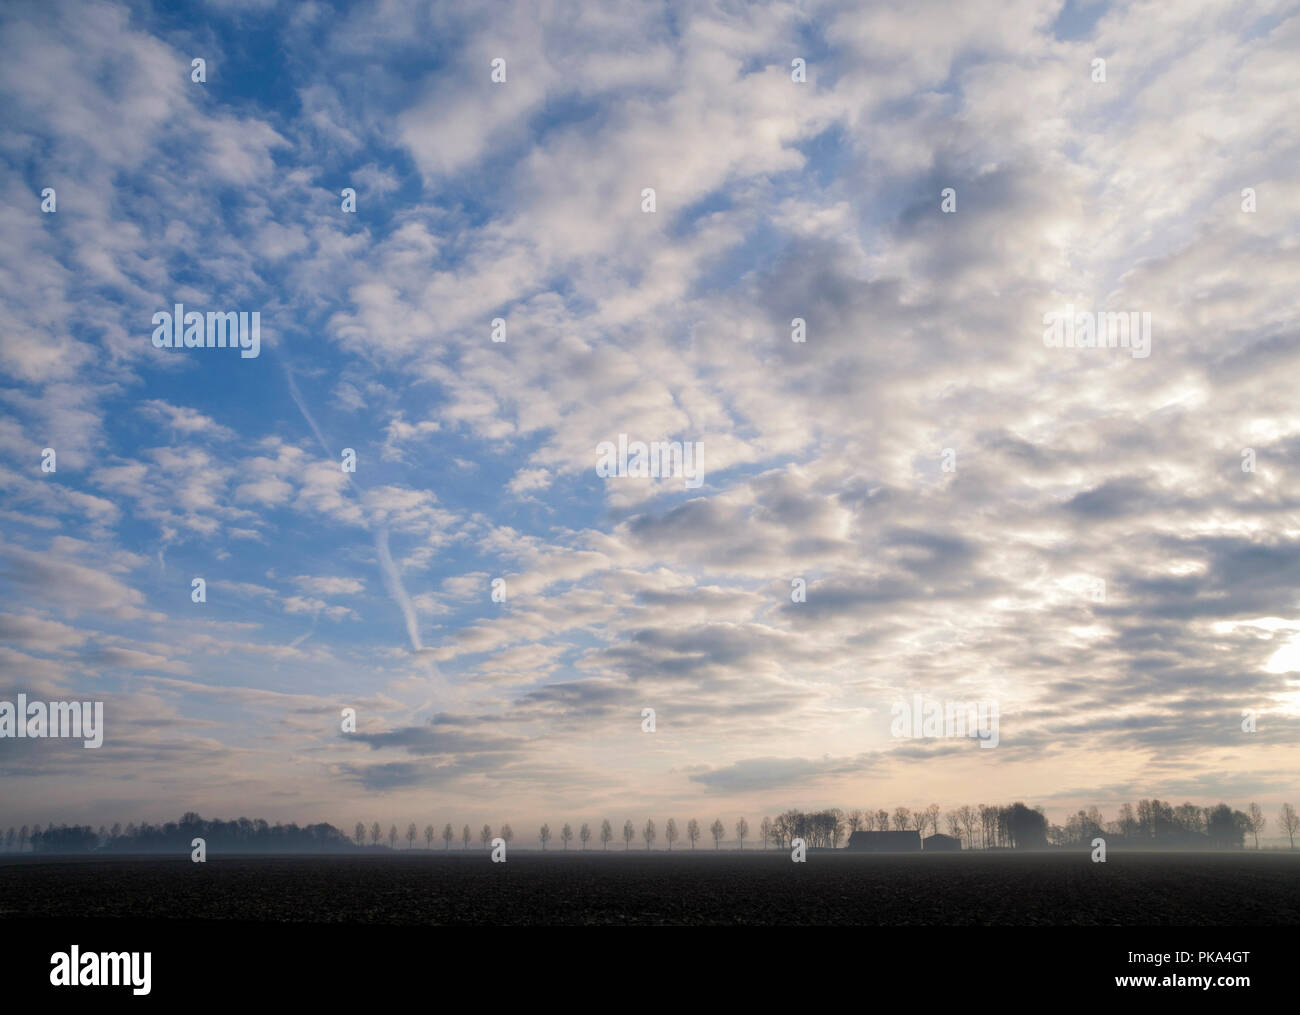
{"x":942,"y":843}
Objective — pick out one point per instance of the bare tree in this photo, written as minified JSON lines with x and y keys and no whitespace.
{"x":1128,"y":822}
{"x":952,"y":820}
{"x":968,"y":817}
{"x":692,"y":832}
{"x":1290,"y":822}
{"x":392,"y":837}
{"x":902,"y":818}
{"x":485,"y":835}
{"x":544,"y":833}
{"x":359,"y":833}
{"x":629,"y":833}
{"x":1257,"y":821}
{"x":466,"y":837}
{"x":742,"y":830}
{"x":448,"y":833}
{"x":932,"y":818}
{"x":882,"y":820}
{"x":411,"y":833}
{"x":566,"y":834}
{"x":584,"y":833}
{"x":765,"y":829}
{"x":854,"y":819}
{"x":1146,"y":816}
{"x":670,"y":833}
{"x":429,"y":833}
{"x":507,"y":833}
{"x":606,"y":833}
{"x":649,"y":832}
{"x":718,"y":830}
{"x":375,"y":833}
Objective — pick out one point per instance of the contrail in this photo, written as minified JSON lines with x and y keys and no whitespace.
{"x":392,"y":576}
{"x":393,"y":579}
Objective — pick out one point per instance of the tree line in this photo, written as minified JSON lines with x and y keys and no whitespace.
{"x":1148,"y":823}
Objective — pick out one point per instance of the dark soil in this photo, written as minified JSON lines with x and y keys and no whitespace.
{"x":1009,"y":889}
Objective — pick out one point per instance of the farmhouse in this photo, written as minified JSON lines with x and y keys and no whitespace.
{"x":941,"y":842}
{"x":886,"y":842}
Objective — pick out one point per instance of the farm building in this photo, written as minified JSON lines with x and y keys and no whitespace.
{"x":941,"y":842}
{"x":886,"y":842}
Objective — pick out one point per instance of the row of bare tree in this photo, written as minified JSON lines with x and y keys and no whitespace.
{"x":979,"y":827}
{"x":1161,"y":822}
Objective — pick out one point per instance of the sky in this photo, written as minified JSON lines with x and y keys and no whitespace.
{"x":912,"y":493}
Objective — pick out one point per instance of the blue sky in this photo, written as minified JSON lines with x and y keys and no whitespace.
{"x":824,"y":460}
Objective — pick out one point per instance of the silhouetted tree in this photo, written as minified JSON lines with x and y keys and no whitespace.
{"x":448,"y":833}
{"x":375,"y":833}
{"x":968,"y":816}
{"x":718,"y":830}
{"x":1026,"y":828}
{"x":466,"y":837}
{"x":670,"y":833}
{"x":485,"y":835}
{"x":359,"y":833}
{"x":1287,"y":818}
{"x":606,"y":833}
{"x":411,"y":833}
{"x":64,"y":839}
{"x":882,"y":820}
{"x":429,"y":833}
{"x":629,"y":833}
{"x":507,"y":833}
{"x":1190,"y":820}
{"x":584,"y":833}
{"x":544,"y":833}
{"x":392,"y":837}
{"x":1128,"y":822}
{"x":1225,"y":827}
{"x":765,"y":827}
{"x":566,"y":835}
{"x":1257,"y":821}
{"x":742,"y":830}
{"x":692,"y":832}
{"x":649,"y":833}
